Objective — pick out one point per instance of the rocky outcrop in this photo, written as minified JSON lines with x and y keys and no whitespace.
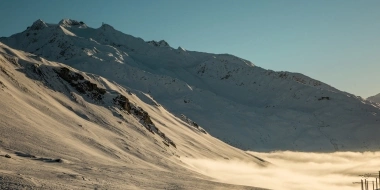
{"x":70,"y":22}
{"x":144,"y":117}
{"x":324,"y":98}
{"x":38,"y":25}
{"x":192,"y":123}
{"x":161,"y":43}
{"x":2,"y":85}
{"x":81,"y":84}
{"x":84,"y":86}
{"x":123,"y":102}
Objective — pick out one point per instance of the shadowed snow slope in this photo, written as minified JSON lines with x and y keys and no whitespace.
{"x":241,"y":104}
{"x":375,"y":98}
{"x":66,"y":129}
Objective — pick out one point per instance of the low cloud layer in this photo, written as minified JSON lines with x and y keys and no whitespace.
{"x":294,"y":170}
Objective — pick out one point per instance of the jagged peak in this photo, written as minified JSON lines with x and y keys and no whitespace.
{"x":38,"y":25}
{"x":161,"y":43}
{"x":106,"y":27}
{"x":181,"y":49}
{"x":72,"y":23}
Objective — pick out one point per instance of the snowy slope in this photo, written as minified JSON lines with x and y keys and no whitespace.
{"x":375,"y":98}
{"x":66,"y":129}
{"x":234,"y":100}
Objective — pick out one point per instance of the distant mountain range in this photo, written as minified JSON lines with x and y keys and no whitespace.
{"x":232,"y":99}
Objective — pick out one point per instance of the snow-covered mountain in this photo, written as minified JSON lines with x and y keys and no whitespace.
{"x":61,"y":128}
{"x":375,"y":98}
{"x":242,"y":104}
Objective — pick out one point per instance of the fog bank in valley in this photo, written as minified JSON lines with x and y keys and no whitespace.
{"x":294,"y":170}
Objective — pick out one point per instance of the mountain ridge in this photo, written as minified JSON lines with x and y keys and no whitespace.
{"x":234,"y":100}
{"x":375,"y":98}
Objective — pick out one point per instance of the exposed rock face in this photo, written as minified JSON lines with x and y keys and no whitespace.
{"x":70,"y":22}
{"x":144,"y":117}
{"x":192,"y":123}
{"x":324,"y":98}
{"x":2,"y":85}
{"x":161,"y":43}
{"x":181,"y":49}
{"x":80,"y":84}
{"x":123,"y":102}
{"x":84,"y":86}
{"x":139,"y":112}
{"x":38,"y":25}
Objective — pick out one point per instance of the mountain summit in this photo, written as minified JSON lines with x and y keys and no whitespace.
{"x":244,"y":105}
{"x":161,"y":43}
{"x":38,"y":25}
{"x":72,"y":23}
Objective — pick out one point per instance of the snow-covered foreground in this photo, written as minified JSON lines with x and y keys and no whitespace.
{"x":295,"y":170}
{"x":61,"y":128}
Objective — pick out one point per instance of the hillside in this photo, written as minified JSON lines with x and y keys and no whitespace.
{"x":232,"y":99}
{"x":66,"y":129}
{"x":375,"y":98}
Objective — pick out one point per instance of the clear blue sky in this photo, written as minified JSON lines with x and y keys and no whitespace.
{"x":335,"y":41}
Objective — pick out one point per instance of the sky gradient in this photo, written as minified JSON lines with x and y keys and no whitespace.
{"x":334,"y":41}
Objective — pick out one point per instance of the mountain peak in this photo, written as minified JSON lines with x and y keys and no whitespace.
{"x":181,"y":48}
{"x":107,"y":27}
{"x":161,"y":43}
{"x":72,"y":23}
{"x":38,"y":25}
